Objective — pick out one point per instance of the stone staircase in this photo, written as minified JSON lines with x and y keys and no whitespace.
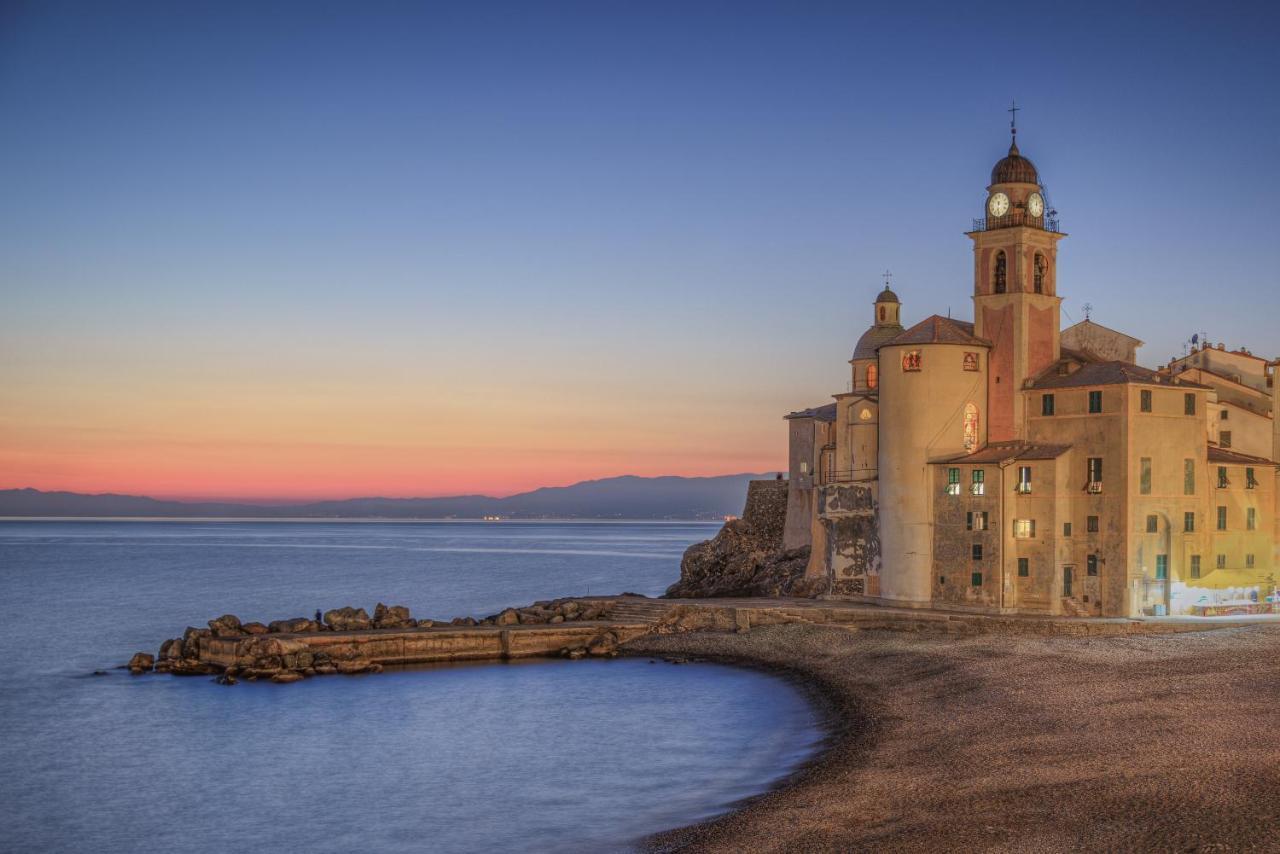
{"x":1072,"y":607}
{"x":626,"y":610}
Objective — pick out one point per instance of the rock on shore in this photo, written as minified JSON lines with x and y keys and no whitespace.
{"x":742,"y":560}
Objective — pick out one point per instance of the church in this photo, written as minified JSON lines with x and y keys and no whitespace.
{"x":1007,"y":465}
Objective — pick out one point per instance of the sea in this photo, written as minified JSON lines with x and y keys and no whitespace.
{"x":546,"y":755}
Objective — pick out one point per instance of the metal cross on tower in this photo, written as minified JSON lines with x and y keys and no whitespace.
{"x":887,"y":277}
{"x":1088,"y":309}
{"x":1013,"y":118}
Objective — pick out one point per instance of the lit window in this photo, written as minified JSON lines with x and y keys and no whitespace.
{"x":1024,"y":529}
{"x":804,"y":467}
{"x":953,"y":481}
{"x":1144,"y":400}
{"x":1095,"y":401}
{"x":1024,"y":567}
{"x":979,"y":486}
{"x":977,"y":521}
{"x":911,"y":360}
{"x":872,"y":376}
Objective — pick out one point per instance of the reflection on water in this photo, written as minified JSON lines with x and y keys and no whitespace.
{"x":533,"y":756}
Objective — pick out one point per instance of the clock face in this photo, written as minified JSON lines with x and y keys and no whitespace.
{"x":1035,"y":204}
{"x":998,"y":204}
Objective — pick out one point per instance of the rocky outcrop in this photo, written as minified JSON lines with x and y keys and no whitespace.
{"x":392,"y":617}
{"x":226,"y":626}
{"x":347,"y":619}
{"x":141,"y":663}
{"x":747,"y":558}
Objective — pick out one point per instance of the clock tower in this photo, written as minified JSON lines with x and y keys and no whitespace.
{"x":1015,"y":296}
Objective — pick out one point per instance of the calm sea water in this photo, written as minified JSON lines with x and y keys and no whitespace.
{"x":530,"y":756}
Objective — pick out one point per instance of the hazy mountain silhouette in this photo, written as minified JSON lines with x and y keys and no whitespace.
{"x":626,"y":497}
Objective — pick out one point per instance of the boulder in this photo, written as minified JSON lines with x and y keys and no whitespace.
{"x":191,"y":641}
{"x":141,"y":662}
{"x":325,"y":669}
{"x":357,"y":665}
{"x":392,"y":617}
{"x":287,"y":676}
{"x":558,"y":618}
{"x":226,"y":626}
{"x":508,"y":617}
{"x":191,"y":667}
{"x":171,"y":649}
{"x":292,"y":626}
{"x":463,"y":621}
{"x":255,"y":628}
{"x":530,"y":616}
{"x":605,"y":643}
{"x":347,"y":619}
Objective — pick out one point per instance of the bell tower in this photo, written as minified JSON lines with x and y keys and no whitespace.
{"x":1015,"y":295}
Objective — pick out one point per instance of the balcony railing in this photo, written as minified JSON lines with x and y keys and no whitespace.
{"x":1016,"y":218}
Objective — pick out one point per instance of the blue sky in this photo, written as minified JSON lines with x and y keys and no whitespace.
{"x":644,"y":216}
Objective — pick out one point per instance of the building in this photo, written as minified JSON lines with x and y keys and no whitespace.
{"x":1007,"y":465}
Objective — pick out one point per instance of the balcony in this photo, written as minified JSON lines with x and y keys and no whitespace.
{"x":1015,"y":219}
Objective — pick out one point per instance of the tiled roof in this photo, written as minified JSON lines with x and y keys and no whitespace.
{"x":1106,"y":373}
{"x":1222,"y":455}
{"x":821,"y":413}
{"x":939,"y":330}
{"x":1087,"y":323}
{"x":999,"y":452}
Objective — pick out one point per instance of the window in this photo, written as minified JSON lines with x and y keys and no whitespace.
{"x":1251,"y":519}
{"x":1091,"y":566}
{"x":1024,"y":479}
{"x":977,"y":551}
{"x":1162,"y":567}
{"x":1189,"y":521}
{"x":872,"y":376}
{"x":1222,"y":416}
{"x":1248,"y":561}
{"x":976,"y":579}
{"x":1040,"y":267}
{"x":1222,"y":562}
{"x":1224,"y":439}
{"x":1250,"y":482}
{"x":1222,"y":518}
{"x":882,"y":314}
{"x":1095,"y":401}
{"x":1189,"y":403}
{"x":953,"y":481}
{"x":1091,"y":524}
{"x":1066,"y":529}
{"x":1153,"y":524}
{"x":1046,"y":404}
{"x":1195,"y":566}
{"x":1095,"y":474}
{"x":1001,"y":282}
{"x":976,"y":521}
{"x":1188,"y":477}
{"x":1144,"y":477}
{"x":1024,"y":567}
{"x":942,"y":579}
{"x":1222,"y":477}
{"x":979,"y":486}
{"x":970,"y":426}
{"x":1144,"y":399}
{"x":911,"y":360}
{"x":1024,"y":529}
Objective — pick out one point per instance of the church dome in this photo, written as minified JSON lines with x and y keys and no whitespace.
{"x":887,"y":296}
{"x":1014,"y":169}
{"x":874,"y":337}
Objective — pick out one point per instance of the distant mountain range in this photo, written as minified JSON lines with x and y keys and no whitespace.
{"x":627,"y":497}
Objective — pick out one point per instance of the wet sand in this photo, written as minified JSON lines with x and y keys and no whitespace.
{"x":1014,"y":743}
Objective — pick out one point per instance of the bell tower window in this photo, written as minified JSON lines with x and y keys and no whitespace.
{"x":882,"y":313}
{"x":1041,"y":266}
{"x":1001,"y":282}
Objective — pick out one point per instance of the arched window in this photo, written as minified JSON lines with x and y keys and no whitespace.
{"x":872,"y":379}
{"x":970,"y":426}
{"x":1001,"y":280}
{"x":1041,"y":266}
{"x":882,"y":314}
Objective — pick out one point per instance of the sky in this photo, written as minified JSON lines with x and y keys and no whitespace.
{"x":280,"y":251}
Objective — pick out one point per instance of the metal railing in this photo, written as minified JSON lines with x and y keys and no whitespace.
{"x":1010,"y":220}
{"x":845,"y":475}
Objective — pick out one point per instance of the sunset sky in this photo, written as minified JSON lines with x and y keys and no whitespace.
{"x":277,"y":251}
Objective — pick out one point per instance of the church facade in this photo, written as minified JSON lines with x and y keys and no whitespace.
{"x":1007,"y":465}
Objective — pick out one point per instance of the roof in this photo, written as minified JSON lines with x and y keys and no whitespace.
{"x":1106,"y":373}
{"x":1087,"y":322}
{"x":937,"y":329}
{"x":827,"y":412}
{"x":873,"y":338}
{"x":1082,"y":356}
{"x":1014,"y":169}
{"x":887,"y":295}
{"x":999,"y":452}
{"x":1222,"y":455}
